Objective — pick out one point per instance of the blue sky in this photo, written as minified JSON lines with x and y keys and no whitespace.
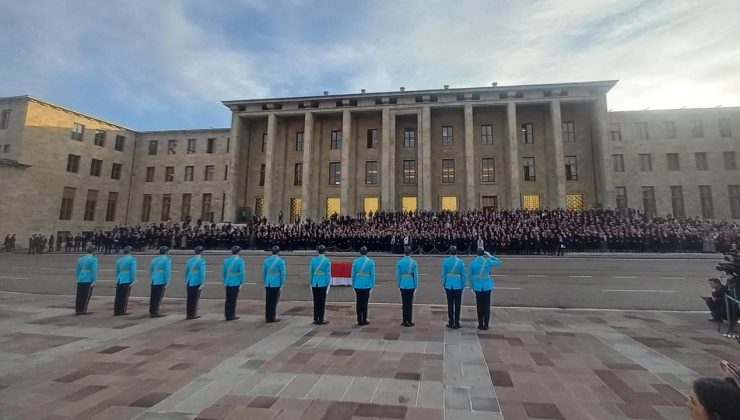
{"x":165,"y":64}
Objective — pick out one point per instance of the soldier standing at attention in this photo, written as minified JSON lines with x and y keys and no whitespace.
{"x":407,"y":275}
{"x":481,"y":283}
{"x":160,"y":271}
{"x":87,"y":273}
{"x":273,"y":275}
{"x":319,"y":276}
{"x":233,"y":274}
{"x":125,"y":277}
{"x":363,"y":281}
{"x":195,"y":278}
{"x":453,"y":281}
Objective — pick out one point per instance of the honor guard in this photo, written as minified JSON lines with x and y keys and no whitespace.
{"x":273,"y":274}
{"x":481,"y":283}
{"x":195,"y":278}
{"x":233,"y":273}
{"x":87,"y":273}
{"x":125,"y":277}
{"x":160,"y":271}
{"x":319,"y":276}
{"x":407,"y":275}
{"x":453,"y":281}
{"x":363,"y":281}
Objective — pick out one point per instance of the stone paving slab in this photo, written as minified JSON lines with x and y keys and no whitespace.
{"x":533,"y":363}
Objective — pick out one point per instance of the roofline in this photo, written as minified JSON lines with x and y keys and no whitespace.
{"x":191,"y":130}
{"x":608,"y":83}
{"x":715,"y":108}
{"x":53,"y":105}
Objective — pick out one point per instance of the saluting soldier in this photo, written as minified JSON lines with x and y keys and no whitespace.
{"x":160,"y":271}
{"x":195,"y":278}
{"x":481,"y":283}
{"x":125,"y":277}
{"x":273,"y":275}
{"x":233,"y":274}
{"x":407,"y":275}
{"x":363,"y":281}
{"x":319,"y":276}
{"x":87,"y":273}
{"x":453,"y":281}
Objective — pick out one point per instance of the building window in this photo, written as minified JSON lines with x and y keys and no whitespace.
{"x":701,"y":161}
{"x":78,"y":131}
{"x":73,"y":163}
{"x":120,"y":141}
{"x":730,"y":161}
{"x":226,"y":172}
{"x":409,"y":137}
{"x":336,"y":140}
{"x":574,"y":202}
{"x":448,"y":171}
{"x":529,"y":169}
{"x":335,"y":173}
{"x":68,"y":203}
{"x":169,"y":174}
{"x":146,"y":208}
{"x":166,"y":207}
{"x":371,"y":172}
{"x":153,"y":147}
{"x":409,"y":172}
{"x":258,"y":206}
{"x":642,"y":131}
{"x":150,"y":174}
{"x":192,"y":146}
{"x":372,"y":138}
{"x":90,"y":204}
{"x":99,"y":138}
{"x":298,"y":174}
{"x":618,"y":163}
{"x":488,"y":170}
{"x":264,"y":142}
{"x":110,"y":209}
{"x":209,"y":172}
{"x":670,"y":129}
{"x":408,"y":204}
{"x":486,"y":134}
{"x":5,"y":119}
{"x":171,"y":147}
{"x":211,"y":146}
{"x":115,"y":171}
{"x":569,"y":132}
{"x":262,"y":175}
{"x":185,"y":207}
{"x":733,"y":191}
{"x":96,"y":165}
{"x":189,"y":170}
{"x":449,"y":203}
{"x":707,"y":203}
{"x":295,"y":210}
{"x":531,"y":202}
{"x":677,"y":201}
{"x":447,"y":135}
{"x":648,"y":201}
{"x":571,"y":168}
{"x":672,"y":162}
{"x":370,"y":205}
{"x":615,"y":132}
{"x":299,"y":141}
{"x":527,"y":133}
{"x":697,"y":129}
{"x":489,"y":202}
{"x":646,"y":162}
{"x":725,"y":127}
{"x":205,"y":208}
{"x":621,"y":193}
{"x":333,"y":206}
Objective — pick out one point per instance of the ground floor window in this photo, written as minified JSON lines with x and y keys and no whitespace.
{"x":574,"y":201}
{"x":333,"y":206}
{"x":489,"y":202}
{"x":258,"y":206}
{"x":295,"y":209}
{"x":370,"y":205}
{"x":449,"y":203}
{"x":531,"y":201}
{"x":408,"y":204}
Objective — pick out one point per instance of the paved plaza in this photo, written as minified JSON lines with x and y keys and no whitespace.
{"x":533,"y":363}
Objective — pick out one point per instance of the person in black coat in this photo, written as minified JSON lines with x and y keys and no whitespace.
{"x":716,"y":303}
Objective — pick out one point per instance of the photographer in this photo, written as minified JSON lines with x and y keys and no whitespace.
{"x":716,"y":303}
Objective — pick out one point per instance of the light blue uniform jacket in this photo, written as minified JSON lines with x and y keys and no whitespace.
{"x":480,"y":273}
{"x":407,"y":273}
{"x":233,"y":271}
{"x":126,"y":270}
{"x":273,"y":271}
{"x":363,"y":273}
{"x":195,"y":271}
{"x":452,"y":273}
{"x":319,"y":272}
{"x":160,"y":270}
{"x":87,"y":269}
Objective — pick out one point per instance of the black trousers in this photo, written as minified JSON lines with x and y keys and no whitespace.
{"x":454,"y":300}
{"x":363,"y":296}
{"x":120,"y":304}
{"x":191,"y":307}
{"x":84,"y":292}
{"x":407,"y":301}
{"x":232,"y":292}
{"x":319,"y":303}
{"x":272,"y":296}
{"x":155,"y":298}
{"x":718,"y":309}
{"x":483,"y":306}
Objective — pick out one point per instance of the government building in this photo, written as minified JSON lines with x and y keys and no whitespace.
{"x":493,"y":147}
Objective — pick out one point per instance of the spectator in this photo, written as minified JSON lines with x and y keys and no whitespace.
{"x":714,"y":399}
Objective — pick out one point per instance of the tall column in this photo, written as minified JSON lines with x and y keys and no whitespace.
{"x":235,"y":179}
{"x":386,"y":166}
{"x":515,"y":200}
{"x":346,"y":198}
{"x":557,"y":178}
{"x":424,"y":177}
{"x":269,"y":209}
{"x":471,"y":192}
{"x":605,"y":195}
{"x":307,"y":186}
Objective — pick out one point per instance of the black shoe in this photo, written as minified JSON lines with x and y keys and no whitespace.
{"x":156,"y":315}
{"x":410,"y":324}
{"x":365,"y":322}
{"x":193,"y":317}
{"x":457,"y":326}
{"x":273,"y":320}
{"x":714,"y":320}
{"x":322,"y":322}
{"x":450,"y":325}
{"x":485,"y":328}
{"x":232,"y":319}
{"x":404,"y":324}
{"x":480,"y":327}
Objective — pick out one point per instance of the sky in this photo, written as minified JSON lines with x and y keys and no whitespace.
{"x":167,"y":64}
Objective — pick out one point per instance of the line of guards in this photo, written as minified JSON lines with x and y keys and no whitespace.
{"x":453,"y":276}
